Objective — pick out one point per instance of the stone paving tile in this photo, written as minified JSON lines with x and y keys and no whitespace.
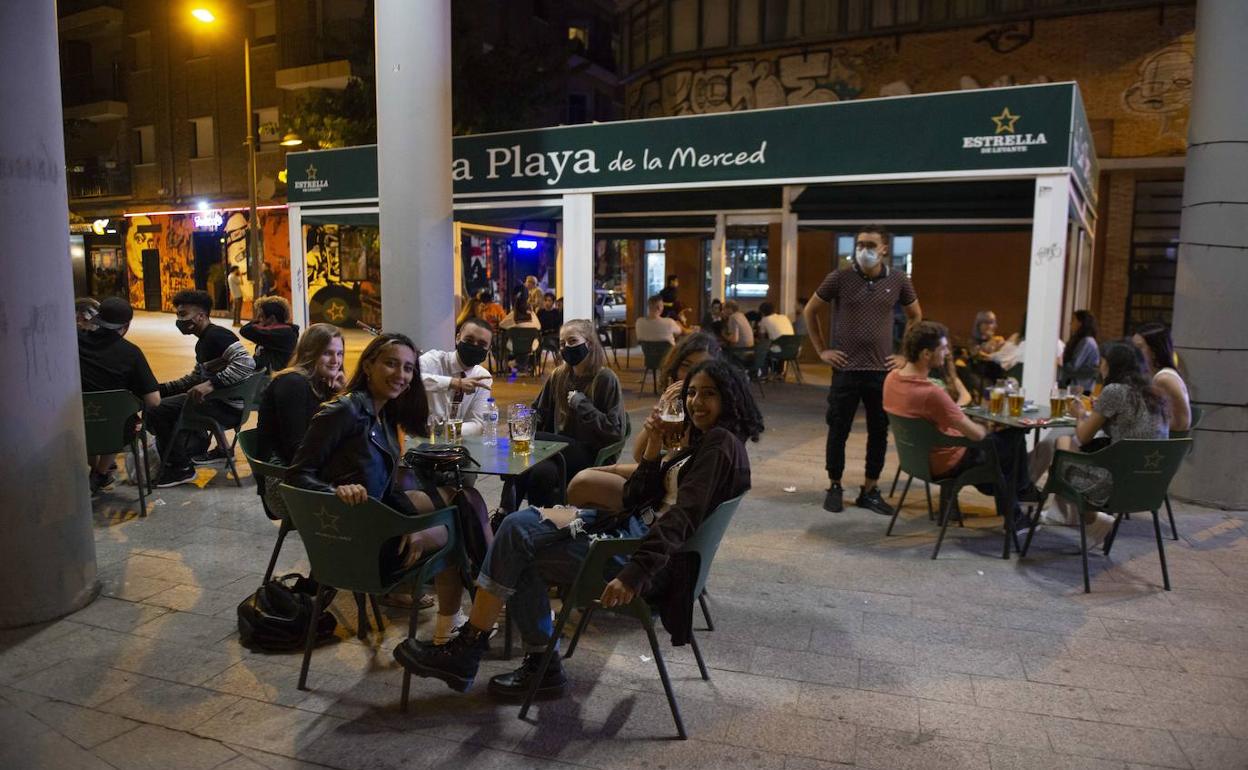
{"x":188,"y":628}
{"x":1106,"y":741}
{"x":133,"y":589}
{"x":894,"y":750}
{"x":1135,"y":654}
{"x":1091,"y":675}
{"x":894,"y":712}
{"x":159,"y":748}
{"x":32,"y":748}
{"x":169,"y":704}
{"x":85,"y":727}
{"x":917,"y":681}
{"x":201,"y":601}
{"x":1215,"y":662}
{"x":116,"y":614}
{"x":267,"y":727}
{"x":972,"y":723}
{"x":1208,"y":753}
{"x":1138,"y":710}
{"x":787,"y":734}
{"x":805,"y":666}
{"x":172,"y":661}
{"x":1034,"y":698}
{"x":1010,"y":758}
{"x":1203,"y":688}
{"x":80,"y":683}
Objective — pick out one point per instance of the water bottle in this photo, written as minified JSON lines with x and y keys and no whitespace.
{"x":489,"y":434}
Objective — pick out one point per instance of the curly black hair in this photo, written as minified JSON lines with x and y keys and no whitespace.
{"x":738,"y":412}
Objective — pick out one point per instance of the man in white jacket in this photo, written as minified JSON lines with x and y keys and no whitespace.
{"x":455,"y":381}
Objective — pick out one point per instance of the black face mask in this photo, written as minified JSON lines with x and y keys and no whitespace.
{"x":186,"y":326}
{"x":574,"y":354}
{"x":470,"y":354}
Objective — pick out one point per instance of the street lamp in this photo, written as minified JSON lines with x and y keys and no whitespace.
{"x":205,"y":16}
{"x":292,"y":140}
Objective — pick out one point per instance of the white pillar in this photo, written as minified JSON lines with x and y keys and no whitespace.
{"x":559,"y":258}
{"x":577,"y":249}
{"x":1212,"y":282}
{"x":414,"y":169}
{"x":47,"y":555}
{"x":298,"y":267}
{"x":719,"y":257}
{"x":788,"y":254}
{"x":1045,"y":284}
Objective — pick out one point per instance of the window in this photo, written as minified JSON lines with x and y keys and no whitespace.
{"x":203,"y":141}
{"x":141,"y":51}
{"x":263,"y":21}
{"x":822,"y":16}
{"x":747,"y":22}
{"x":715,"y":23}
{"x":781,"y":19}
{"x":1154,"y":252}
{"x":579,"y":35}
{"x":684,"y":25}
{"x":656,"y":267}
{"x":264,"y":128}
{"x":144,"y":145}
{"x":746,"y":263}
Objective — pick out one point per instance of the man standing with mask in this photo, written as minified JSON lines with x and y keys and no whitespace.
{"x":221,"y":360}
{"x":859,"y":349}
{"x":455,"y":381}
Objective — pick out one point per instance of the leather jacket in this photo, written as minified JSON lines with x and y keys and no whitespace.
{"x":348,"y":443}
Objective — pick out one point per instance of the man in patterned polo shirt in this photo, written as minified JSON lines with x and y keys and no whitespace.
{"x":860,"y":350}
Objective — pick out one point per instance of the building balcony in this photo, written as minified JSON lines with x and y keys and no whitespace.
{"x":98,"y":111}
{"x":100,"y":21}
{"x":331,"y":74}
{"x":97,"y":178}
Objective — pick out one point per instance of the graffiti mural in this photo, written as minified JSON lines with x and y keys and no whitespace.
{"x":1008,"y":37}
{"x":344,"y":274}
{"x":275,"y":245}
{"x":177,"y":259}
{"x":1163,"y":86}
{"x":811,"y":77}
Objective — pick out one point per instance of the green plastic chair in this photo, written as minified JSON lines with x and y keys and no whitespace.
{"x":344,"y":546}
{"x":652,"y":354}
{"x":790,"y":348}
{"x":105,"y":414}
{"x":914,"y":438}
{"x":192,"y":418}
{"x":1197,"y":413}
{"x":585,"y":591}
{"x":522,"y":341}
{"x":610,"y":454}
{"x":248,"y":440}
{"x":1141,"y":471}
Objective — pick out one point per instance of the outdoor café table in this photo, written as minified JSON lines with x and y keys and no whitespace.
{"x":1038,"y":418}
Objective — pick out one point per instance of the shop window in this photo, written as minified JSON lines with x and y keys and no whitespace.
{"x":684,"y":25}
{"x":747,"y":22}
{"x":263,"y":22}
{"x":144,"y":145}
{"x":264,"y":128}
{"x":141,"y":51}
{"x":203,"y":140}
{"x":656,"y":267}
{"x":715,"y":18}
{"x":746,"y":266}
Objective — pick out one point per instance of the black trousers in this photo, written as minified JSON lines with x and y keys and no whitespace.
{"x":1011,"y":447}
{"x":161,"y":419}
{"x":848,"y":388}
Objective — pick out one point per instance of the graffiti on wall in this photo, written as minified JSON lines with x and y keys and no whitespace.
{"x":1008,"y":37}
{"x":811,"y":77}
{"x":343,"y":271}
{"x":1163,"y":85}
{"x":171,"y":236}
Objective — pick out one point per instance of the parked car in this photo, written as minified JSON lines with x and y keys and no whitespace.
{"x":609,"y":306}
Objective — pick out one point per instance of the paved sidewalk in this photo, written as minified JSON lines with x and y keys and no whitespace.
{"x":833,"y":645}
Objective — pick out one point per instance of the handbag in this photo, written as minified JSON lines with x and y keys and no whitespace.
{"x":276,"y":617}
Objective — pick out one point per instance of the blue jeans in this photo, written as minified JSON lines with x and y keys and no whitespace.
{"x":528,"y":554}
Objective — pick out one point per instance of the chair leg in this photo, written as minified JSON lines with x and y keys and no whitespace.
{"x":309,"y":641}
{"x":896,"y":477}
{"x":697,"y":655}
{"x":362,"y":632}
{"x":141,"y":472}
{"x":1174,"y":531}
{"x":1083,"y":553}
{"x":580,"y":626}
{"x":648,"y":624}
{"x":552,"y":647}
{"x":927,"y":488}
{"x":1031,"y":529}
{"x":706,"y":612}
{"x":1113,"y":533}
{"x":381,"y":625}
{"x":944,"y":521}
{"x":1161,"y":550}
{"x":277,"y":548}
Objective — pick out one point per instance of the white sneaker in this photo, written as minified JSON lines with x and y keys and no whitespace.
{"x":1098,"y":530}
{"x":1053,"y":518}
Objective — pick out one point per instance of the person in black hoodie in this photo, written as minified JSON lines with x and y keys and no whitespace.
{"x":272,"y":332}
{"x":665,"y":501}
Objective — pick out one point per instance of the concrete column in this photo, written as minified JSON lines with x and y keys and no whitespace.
{"x":577,"y":251}
{"x":414,"y":169}
{"x":788,"y":253}
{"x":1209,"y":328}
{"x":47,"y":555}
{"x":1045,"y":284}
{"x":719,"y":257}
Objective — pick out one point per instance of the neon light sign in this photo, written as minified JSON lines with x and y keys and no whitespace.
{"x":209,"y":220}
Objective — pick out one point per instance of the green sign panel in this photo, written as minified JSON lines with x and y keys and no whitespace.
{"x":983,"y":130}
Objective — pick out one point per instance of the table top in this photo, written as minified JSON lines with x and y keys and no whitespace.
{"x":1039,"y":417}
{"x":499,"y":460}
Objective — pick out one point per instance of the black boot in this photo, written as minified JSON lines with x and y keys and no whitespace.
{"x":455,"y":662}
{"x":516,"y":684}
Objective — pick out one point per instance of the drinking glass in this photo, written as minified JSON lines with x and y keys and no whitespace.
{"x":520,"y":427}
{"x":1016,"y":398}
{"x":1057,"y":403}
{"x":996,"y":398}
{"x":672,"y":416}
{"x":454,"y":428}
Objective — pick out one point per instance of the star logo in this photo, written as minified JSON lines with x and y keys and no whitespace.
{"x":1005,"y":121}
{"x":1153,"y":460}
{"x":335,"y":312}
{"x":91,"y":411}
{"x":329,"y":521}
{"x":311,"y":171}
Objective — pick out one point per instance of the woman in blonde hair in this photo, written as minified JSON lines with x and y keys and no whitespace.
{"x":580,"y":404}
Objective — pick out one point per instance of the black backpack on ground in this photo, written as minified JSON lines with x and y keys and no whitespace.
{"x":275,"y":618}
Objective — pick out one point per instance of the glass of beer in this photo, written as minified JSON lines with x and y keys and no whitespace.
{"x":1057,"y":403}
{"x":454,"y":428}
{"x":996,"y":400}
{"x":1016,"y":398}
{"x":672,"y":415}
{"x":520,"y":426}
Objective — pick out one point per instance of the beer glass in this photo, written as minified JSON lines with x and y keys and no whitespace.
{"x":1057,"y":403}
{"x":996,"y":398}
{"x":672,"y":416}
{"x":520,"y":426}
{"x":1016,"y":398}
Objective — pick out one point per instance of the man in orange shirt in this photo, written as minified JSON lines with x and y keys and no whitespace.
{"x":909,"y":392}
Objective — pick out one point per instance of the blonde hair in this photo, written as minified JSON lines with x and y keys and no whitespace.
{"x":312,"y":343}
{"x":585,"y":328}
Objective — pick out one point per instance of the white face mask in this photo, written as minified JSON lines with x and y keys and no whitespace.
{"x":868,"y":258}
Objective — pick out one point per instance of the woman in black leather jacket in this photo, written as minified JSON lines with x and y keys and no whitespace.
{"x":352,"y":449}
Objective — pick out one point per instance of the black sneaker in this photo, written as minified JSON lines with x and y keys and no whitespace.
{"x":516,"y":684}
{"x":872,"y":500}
{"x":455,"y":662}
{"x":101,"y":482}
{"x":1033,"y":494}
{"x":210,"y":458}
{"x":834,"y":498}
{"x":175,"y":476}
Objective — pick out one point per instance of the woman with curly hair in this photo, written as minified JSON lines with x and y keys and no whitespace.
{"x":665,"y":501}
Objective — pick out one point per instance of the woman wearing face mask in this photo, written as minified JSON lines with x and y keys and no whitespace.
{"x":580,"y":404}
{"x":352,"y":448}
